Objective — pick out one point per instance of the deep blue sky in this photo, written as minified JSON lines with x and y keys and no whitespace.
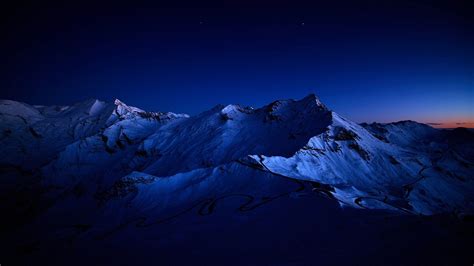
{"x":369,"y":61}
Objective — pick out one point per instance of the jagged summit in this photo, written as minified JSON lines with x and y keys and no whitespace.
{"x":123,"y":108}
{"x":119,"y":102}
{"x":227,"y":133}
{"x":313,"y":99}
{"x":310,"y":103}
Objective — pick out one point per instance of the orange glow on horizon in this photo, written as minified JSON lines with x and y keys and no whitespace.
{"x":468,"y":123}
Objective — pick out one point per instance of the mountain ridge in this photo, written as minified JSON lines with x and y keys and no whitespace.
{"x":304,"y":133}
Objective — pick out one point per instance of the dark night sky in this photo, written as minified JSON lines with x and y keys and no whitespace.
{"x":367,"y":60}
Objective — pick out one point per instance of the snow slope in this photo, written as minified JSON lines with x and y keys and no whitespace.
{"x":404,"y":166}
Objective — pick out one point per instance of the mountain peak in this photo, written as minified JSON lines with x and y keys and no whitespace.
{"x":123,"y":108}
{"x":118,"y":102}
{"x":311,"y":96}
{"x":313,"y":99}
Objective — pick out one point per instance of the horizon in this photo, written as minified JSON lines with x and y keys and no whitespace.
{"x":369,"y":61}
{"x":438,"y":125}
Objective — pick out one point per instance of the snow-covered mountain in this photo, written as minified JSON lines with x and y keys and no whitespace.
{"x":119,"y":167}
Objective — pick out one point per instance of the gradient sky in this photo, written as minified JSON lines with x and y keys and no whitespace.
{"x":368,"y":61}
